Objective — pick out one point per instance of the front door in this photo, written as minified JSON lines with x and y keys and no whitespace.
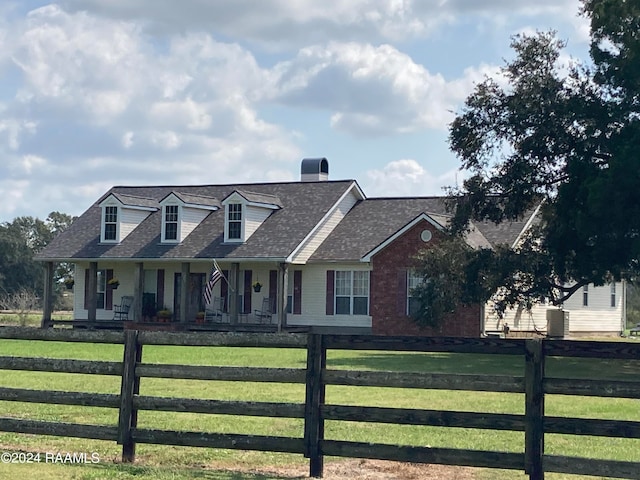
{"x":196,"y":303}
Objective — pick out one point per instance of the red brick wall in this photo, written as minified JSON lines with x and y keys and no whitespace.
{"x":387,"y":302}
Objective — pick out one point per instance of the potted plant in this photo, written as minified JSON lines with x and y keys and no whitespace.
{"x":164,"y":315}
{"x":200,"y":317}
{"x":113,"y":283}
{"x":69,"y":282}
{"x":257,"y":286}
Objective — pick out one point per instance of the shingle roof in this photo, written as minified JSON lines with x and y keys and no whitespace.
{"x":198,"y":199}
{"x":374,"y":220}
{"x":260,"y":198}
{"x":304,"y":205}
{"x":502,"y":233}
{"x":370,"y":223}
{"x":135,"y":201}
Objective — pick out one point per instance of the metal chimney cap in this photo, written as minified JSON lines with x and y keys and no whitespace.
{"x":314,"y":170}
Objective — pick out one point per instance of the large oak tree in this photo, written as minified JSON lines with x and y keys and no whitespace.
{"x":561,"y":137}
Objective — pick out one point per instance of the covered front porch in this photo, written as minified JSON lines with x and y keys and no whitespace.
{"x":251,"y":296}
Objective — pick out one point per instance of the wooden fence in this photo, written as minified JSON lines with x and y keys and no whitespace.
{"x":316,"y":376}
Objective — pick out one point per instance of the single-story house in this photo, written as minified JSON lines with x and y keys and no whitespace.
{"x":324,"y":254}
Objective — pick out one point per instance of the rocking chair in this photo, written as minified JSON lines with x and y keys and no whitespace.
{"x":265,"y":313}
{"x":121,"y":312}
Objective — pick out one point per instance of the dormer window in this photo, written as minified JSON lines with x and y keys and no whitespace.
{"x":244,"y":213}
{"x":110,"y":232}
{"x":122,"y":214}
{"x":182,"y":213}
{"x":234,"y":217}
{"x":171,"y":222}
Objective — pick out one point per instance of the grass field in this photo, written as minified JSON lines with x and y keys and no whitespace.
{"x":177,"y":463}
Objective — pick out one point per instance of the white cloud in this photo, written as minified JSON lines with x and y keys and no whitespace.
{"x":290,"y":24}
{"x":11,"y":129}
{"x":31,"y":162}
{"x":407,"y":177}
{"x":101,"y":92}
{"x":95,"y":98}
{"x":370,"y":90}
{"x":12,"y":194}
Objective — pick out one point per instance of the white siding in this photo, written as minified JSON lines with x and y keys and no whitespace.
{"x":124,"y":273}
{"x":518,"y":319}
{"x":320,"y":235}
{"x":314,"y":277}
{"x":253,"y":218}
{"x":190,"y":219}
{"x":130,"y":220}
{"x":597,"y":316}
{"x":314,"y":287}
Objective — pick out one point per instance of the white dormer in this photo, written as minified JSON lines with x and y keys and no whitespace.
{"x":244,"y":212}
{"x":121,"y":214}
{"x":182,"y":213}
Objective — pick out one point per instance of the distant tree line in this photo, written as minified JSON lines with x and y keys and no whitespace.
{"x":20,"y":240}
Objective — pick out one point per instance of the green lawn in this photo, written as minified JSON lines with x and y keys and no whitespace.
{"x":162,"y":462}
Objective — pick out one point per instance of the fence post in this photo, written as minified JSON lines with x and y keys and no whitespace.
{"x":130,"y":386}
{"x":315,"y":396}
{"x":534,"y":409}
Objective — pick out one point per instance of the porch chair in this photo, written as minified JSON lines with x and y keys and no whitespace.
{"x":121,"y":312}
{"x":265,"y":313}
{"x":213,"y":312}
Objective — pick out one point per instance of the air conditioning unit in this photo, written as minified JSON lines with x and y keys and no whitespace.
{"x":557,"y":323}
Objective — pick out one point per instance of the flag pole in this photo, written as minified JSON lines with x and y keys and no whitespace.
{"x":223,"y":275}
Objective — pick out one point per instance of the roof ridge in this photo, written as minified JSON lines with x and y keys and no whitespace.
{"x":292,"y":182}
{"x":255,"y":193}
{"x":426,"y":197}
{"x":132,"y":196}
{"x":192,"y":194}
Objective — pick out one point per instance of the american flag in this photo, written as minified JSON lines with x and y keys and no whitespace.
{"x":216,"y":274}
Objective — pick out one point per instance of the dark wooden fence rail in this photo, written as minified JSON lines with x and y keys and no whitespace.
{"x":316,"y":376}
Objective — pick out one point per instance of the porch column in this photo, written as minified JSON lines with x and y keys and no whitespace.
{"x":92,"y":291}
{"x":138,"y":289}
{"x":283,"y":282}
{"x":234,"y":285}
{"x":47,"y":295}
{"x":185,"y":277}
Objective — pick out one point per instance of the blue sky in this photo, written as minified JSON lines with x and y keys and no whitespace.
{"x":95,"y":93}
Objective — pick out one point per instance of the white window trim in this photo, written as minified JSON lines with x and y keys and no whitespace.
{"x":243,"y":216}
{"x":410,"y":274}
{"x":351,"y":295}
{"x":613,"y":299}
{"x":290,"y":295}
{"x":103,"y":224}
{"x":178,"y":238}
{"x":101,"y":274}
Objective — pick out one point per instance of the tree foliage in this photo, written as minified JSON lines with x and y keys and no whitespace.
{"x":560,"y":137}
{"x":20,"y":240}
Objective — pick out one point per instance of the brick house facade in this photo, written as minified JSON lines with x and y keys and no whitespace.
{"x":389,"y":295}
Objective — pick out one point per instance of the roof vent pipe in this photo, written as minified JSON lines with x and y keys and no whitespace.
{"x":314,"y":170}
